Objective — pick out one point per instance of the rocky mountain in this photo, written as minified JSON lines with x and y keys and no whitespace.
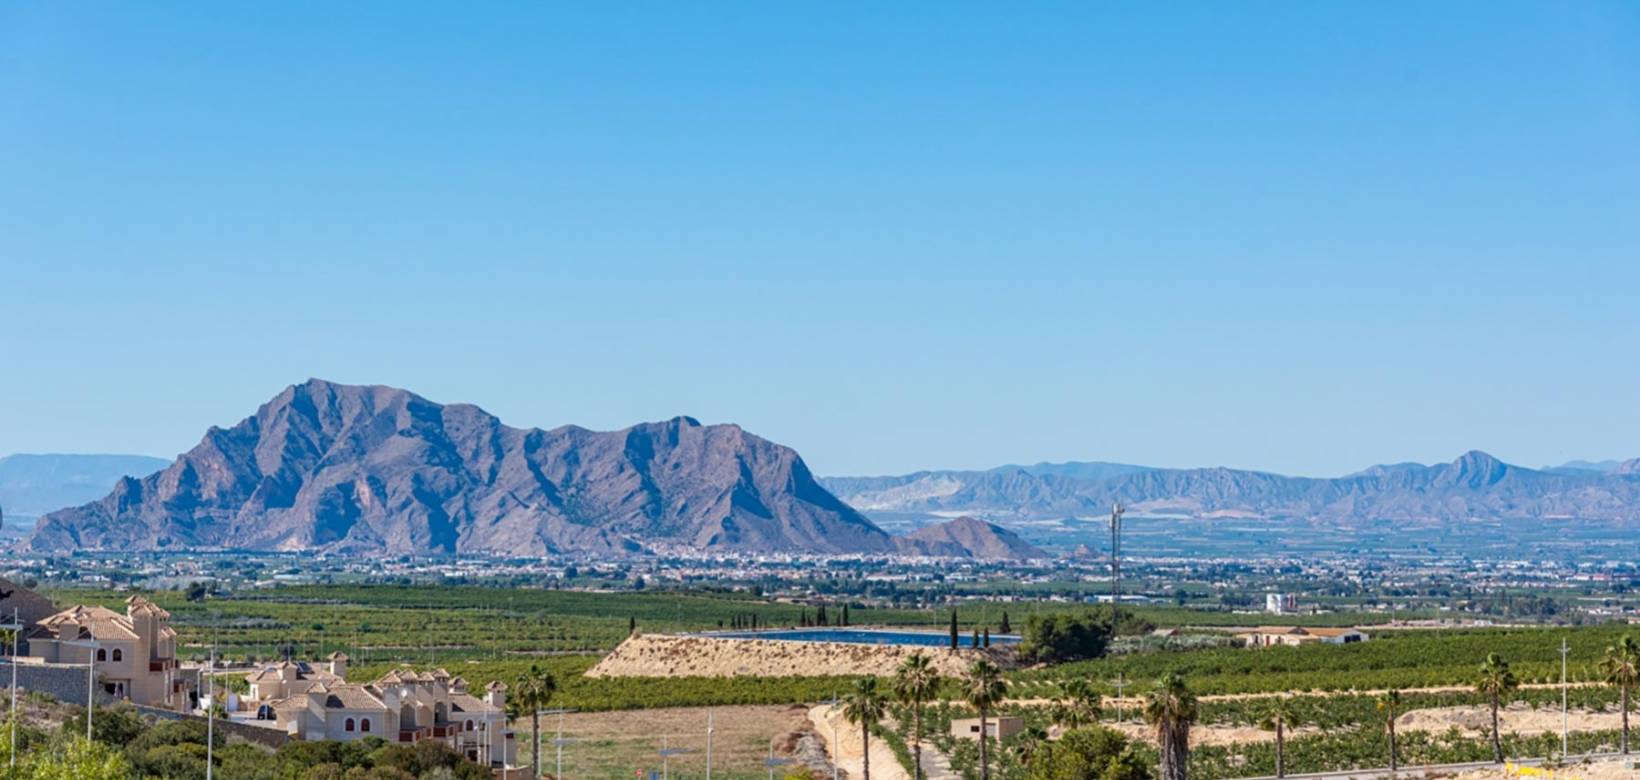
{"x":370,"y":469}
{"x":325,"y":466}
{"x":1476,"y":485}
{"x":967,"y":537}
{"x":32,"y":485}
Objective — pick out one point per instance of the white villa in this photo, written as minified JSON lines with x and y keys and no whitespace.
{"x":311,"y":702}
{"x":1292,"y":636}
{"x":135,"y":653}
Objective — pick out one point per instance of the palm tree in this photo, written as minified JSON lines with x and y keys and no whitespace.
{"x":1170,"y":710}
{"x":1081,"y":705}
{"x":1621,"y":668}
{"x":865,"y":705}
{"x":1494,"y":681}
{"x":1389,"y":704}
{"x":984,"y":690}
{"x":532,"y":692}
{"x":914,"y":684}
{"x":1278,"y":718}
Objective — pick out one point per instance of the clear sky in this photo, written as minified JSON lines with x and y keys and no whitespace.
{"x":1303,"y":237}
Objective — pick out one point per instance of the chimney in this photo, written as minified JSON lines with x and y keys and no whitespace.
{"x":495,"y":695}
{"x":338,"y":664}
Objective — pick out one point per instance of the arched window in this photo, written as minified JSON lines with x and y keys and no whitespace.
{"x":348,"y":726}
{"x":102,"y":655}
{"x":117,"y":655}
{"x":364,"y":725}
{"x":469,"y":725}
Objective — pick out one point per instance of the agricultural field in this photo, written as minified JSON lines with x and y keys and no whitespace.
{"x":621,"y":724}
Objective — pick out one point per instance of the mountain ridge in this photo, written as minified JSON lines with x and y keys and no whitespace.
{"x":376,"y":469}
{"x":1474,"y":485}
{"x":360,"y":468}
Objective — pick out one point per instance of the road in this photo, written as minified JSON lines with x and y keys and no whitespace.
{"x":1420,"y":771}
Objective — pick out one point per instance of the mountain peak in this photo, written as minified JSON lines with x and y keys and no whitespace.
{"x":371,"y":468}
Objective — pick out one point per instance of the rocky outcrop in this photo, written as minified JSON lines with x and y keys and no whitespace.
{"x":966,"y":537}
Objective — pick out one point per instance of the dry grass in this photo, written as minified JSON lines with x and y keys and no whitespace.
{"x":627,"y":744}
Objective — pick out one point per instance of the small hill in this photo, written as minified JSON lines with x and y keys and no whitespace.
{"x":967,"y":537}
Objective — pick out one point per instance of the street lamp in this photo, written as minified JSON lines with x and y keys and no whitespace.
{"x":710,"y":730}
{"x":559,"y":742}
{"x":16,"y":630}
{"x":771,"y":762}
{"x":666,"y":758}
{"x":90,"y":678}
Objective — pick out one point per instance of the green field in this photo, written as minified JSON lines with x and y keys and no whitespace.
{"x":492,"y":633}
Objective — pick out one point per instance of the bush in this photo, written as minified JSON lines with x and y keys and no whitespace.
{"x":1061,"y":638}
{"x":1088,"y":754}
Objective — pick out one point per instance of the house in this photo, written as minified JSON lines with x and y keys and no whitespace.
{"x":314,"y":702}
{"x":1000,"y":727}
{"x":134,"y":654}
{"x":1293,"y":636}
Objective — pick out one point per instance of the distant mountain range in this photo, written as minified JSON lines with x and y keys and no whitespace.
{"x":1476,"y":485}
{"x":32,"y":485}
{"x":371,"y":469}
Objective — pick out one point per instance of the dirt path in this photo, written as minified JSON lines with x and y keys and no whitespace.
{"x":1131,"y":702}
{"x":845,"y":748}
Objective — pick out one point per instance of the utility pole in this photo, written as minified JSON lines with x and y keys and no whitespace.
{"x":710,"y":730}
{"x":836,"y":746}
{"x":1120,"y":682}
{"x":210,"y":708}
{"x":1565,"y":716}
{"x":90,"y":685}
{"x":1115,"y":564}
{"x":771,"y":762}
{"x":16,"y":637}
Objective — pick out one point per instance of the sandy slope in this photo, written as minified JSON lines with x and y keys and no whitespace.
{"x":845,"y":750}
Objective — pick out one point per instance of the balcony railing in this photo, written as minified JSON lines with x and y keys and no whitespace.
{"x":415,"y":735}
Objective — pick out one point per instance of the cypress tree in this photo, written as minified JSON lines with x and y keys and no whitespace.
{"x":845,"y":614}
{"x":987,"y":636}
{"x":976,"y":638}
{"x":1005,"y":628}
{"x":953,"y":629}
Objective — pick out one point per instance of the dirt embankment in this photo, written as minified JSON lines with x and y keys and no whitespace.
{"x":846,"y":750}
{"x":1517,"y":718}
{"x":663,"y":655}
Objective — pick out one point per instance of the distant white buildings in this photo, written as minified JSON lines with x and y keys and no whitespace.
{"x":1280,"y":603}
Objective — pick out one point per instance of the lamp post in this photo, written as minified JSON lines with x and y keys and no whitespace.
{"x":1565,"y":716}
{"x":210,"y":710}
{"x":16,"y":630}
{"x":771,"y":762}
{"x":90,"y":678}
{"x":1119,"y":683}
{"x":710,"y":730}
{"x":666,"y":758}
{"x":558,"y":742}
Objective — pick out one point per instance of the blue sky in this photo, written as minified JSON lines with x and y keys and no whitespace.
{"x":1302,"y":237}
